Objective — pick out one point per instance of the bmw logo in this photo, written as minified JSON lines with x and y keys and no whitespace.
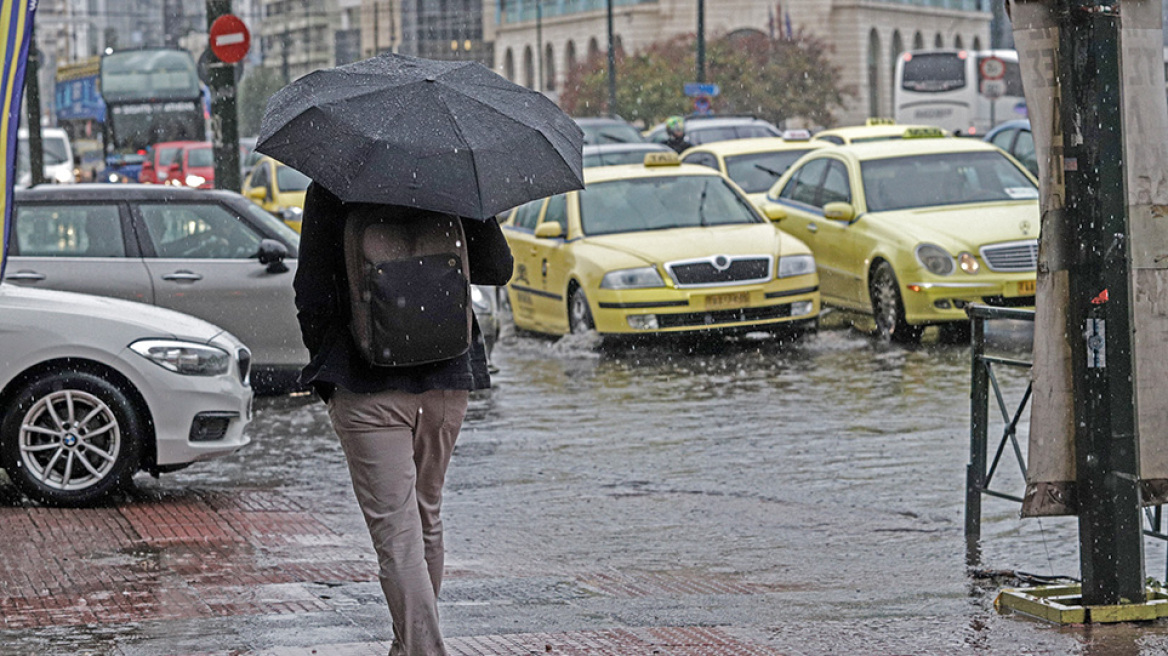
{"x":70,"y":440}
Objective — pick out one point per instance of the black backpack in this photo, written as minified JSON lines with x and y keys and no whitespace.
{"x":409,"y":285}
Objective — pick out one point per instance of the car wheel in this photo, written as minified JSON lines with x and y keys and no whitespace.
{"x":70,"y":439}
{"x":579,"y":315}
{"x":888,"y":308}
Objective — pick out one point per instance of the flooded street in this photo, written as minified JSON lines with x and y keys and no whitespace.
{"x":785,"y":499}
{"x":811,"y":493}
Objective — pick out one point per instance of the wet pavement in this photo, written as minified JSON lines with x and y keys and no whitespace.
{"x":732,"y":498}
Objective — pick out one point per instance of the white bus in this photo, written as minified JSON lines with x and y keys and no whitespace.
{"x":943,"y":88}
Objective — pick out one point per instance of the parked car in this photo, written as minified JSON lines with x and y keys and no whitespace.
{"x":58,"y":157}
{"x":212,"y":254}
{"x":193,"y":166}
{"x":156,"y":168}
{"x":95,"y":389}
{"x":612,"y":154}
{"x":660,"y":247}
{"x":753,"y":164}
{"x":608,"y":129}
{"x":1015,"y":138}
{"x":912,"y":231}
{"x":706,"y":128}
{"x":279,"y":189}
{"x":122,"y":168}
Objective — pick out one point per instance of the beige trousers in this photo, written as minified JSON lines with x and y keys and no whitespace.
{"x":398,"y":446}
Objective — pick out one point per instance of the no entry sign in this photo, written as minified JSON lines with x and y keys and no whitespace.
{"x":229,"y":38}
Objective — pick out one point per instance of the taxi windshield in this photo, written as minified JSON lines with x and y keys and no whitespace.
{"x":757,"y":172}
{"x":899,"y":183}
{"x":661,"y":203}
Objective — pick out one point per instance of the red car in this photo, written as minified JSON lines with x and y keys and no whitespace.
{"x":156,"y":168}
{"x":193,"y":166}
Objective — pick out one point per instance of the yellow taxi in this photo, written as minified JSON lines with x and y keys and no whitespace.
{"x":279,"y":189}
{"x":877,"y":130}
{"x":753,"y":164}
{"x":659,"y":247}
{"x":912,"y":231}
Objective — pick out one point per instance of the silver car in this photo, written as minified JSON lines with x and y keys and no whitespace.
{"x":94,"y":389}
{"x":211,"y":254}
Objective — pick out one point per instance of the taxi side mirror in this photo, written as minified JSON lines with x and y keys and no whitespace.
{"x":774,"y":211}
{"x":549,"y":231}
{"x":839,"y":211}
{"x":258,"y":194}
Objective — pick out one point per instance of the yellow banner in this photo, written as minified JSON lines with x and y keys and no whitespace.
{"x":15,"y":34}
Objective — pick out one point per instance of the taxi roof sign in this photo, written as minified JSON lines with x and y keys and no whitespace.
{"x":923,"y":133}
{"x":876,"y":120}
{"x":796,"y":135}
{"x":662,"y":159}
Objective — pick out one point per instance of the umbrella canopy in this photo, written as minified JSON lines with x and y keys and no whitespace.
{"x":438,"y":135}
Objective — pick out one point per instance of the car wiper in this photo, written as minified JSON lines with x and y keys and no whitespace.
{"x":777,"y":174}
{"x":702,"y":205}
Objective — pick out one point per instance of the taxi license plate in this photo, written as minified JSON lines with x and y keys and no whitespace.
{"x":727,"y":301}
{"x":1026,"y":288}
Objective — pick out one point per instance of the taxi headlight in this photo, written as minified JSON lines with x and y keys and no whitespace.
{"x":632,"y":279}
{"x":186,"y":358}
{"x":195,"y":180}
{"x":935,"y":259}
{"x":968,"y":263}
{"x":796,"y":265}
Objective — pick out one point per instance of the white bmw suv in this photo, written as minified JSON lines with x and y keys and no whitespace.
{"x":93,"y":390}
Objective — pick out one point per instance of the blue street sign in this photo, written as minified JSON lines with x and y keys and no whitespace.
{"x":695,"y":89}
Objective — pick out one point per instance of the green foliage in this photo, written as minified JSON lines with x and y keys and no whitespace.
{"x":256,"y":87}
{"x":772,"y":79}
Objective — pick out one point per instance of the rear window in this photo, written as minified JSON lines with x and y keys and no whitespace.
{"x":73,"y":230}
{"x":934,"y":72}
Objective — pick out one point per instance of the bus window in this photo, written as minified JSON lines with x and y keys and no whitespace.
{"x":933,"y":71}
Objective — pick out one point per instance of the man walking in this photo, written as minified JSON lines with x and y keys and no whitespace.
{"x":397,"y":425}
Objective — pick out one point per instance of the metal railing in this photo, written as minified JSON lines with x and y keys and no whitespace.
{"x":980,"y":471}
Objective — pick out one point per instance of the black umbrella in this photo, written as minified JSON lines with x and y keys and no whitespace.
{"x":437,"y":135}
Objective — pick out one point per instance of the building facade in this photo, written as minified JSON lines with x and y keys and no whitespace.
{"x":298,"y":36}
{"x":538,"y":41}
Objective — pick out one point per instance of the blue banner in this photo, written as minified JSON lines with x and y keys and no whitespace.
{"x":15,"y":34}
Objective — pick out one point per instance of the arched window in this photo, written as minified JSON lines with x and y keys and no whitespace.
{"x":569,"y":58}
{"x":918,"y":42}
{"x":958,"y":43}
{"x":593,"y":49}
{"x":549,"y":68}
{"x":509,"y":65}
{"x":618,"y":46}
{"x":873,"y":73}
{"x":976,"y":43}
{"x":938,"y":42}
{"x":528,"y":68}
{"x":896,"y":50}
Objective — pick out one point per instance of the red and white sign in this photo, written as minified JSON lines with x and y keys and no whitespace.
{"x":992,"y":68}
{"x":229,"y":38}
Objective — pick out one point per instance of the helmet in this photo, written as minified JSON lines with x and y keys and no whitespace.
{"x":675,"y":126}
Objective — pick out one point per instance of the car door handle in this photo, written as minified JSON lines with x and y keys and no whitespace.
{"x":183,"y":276}
{"x":812,"y":227}
{"x":25,"y":275}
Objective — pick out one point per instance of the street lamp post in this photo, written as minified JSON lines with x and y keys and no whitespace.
{"x":701,"y":41}
{"x":539,"y":43}
{"x":611,"y":65}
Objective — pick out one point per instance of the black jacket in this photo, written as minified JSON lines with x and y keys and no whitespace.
{"x":322,"y":304}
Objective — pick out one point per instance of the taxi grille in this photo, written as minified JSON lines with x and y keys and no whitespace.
{"x":720,"y":270}
{"x":1014,"y":256}
{"x":690,"y":319}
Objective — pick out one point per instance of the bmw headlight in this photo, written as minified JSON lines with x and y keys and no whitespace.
{"x":195,"y":180}
{"x":186,"y":358}
{"x":936,"y":259}
{"x":632,"y":279}
{"x":796,"y":265}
